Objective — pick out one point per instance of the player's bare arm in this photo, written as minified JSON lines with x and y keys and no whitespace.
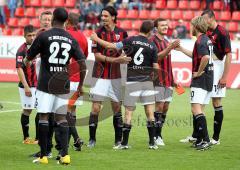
{"x":121,"y":59}
{"x":203,"y":64}
{"x":170,"y":47}
{"x":223,"y":81}
{"x":82,"y":70}
{"x":184,"y":51}
{"x":24,"y":82}
{"x":105,"y":44}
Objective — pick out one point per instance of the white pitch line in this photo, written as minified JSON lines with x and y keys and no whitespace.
{"x":7,"y":111}
{"x":7,"y":102}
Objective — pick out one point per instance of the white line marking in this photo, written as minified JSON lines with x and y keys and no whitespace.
{"x":7,"y":111}
{"x":7,"y":102}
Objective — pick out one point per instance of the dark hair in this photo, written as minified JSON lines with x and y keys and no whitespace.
{"x":73,"y":18}
{"x":158,"y":20}
{"x":45,"y":13}
{"x":209,"y":12}
{"x":112,"y":11}
{"x":29,"y":29}
{"x":146,"y":27}
{"x":60,"y":15}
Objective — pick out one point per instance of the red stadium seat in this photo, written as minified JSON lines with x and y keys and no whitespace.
{"x":188,"y":15}
{"x":58,"y":3}
{"x":217,"y":15}
{"x":27,"y":2}
{"x":132,"y":14}
{"x":36,"y":3}
{"x":187,"y":24}
{"x":70,"y":3}
{"x":18,"y":31}
{"x":23,"y":22}
{"x":126,"y":24}
{"x":47,"y":3}
{"x":40,"y":10}
{"x":154,"y":14}
{"x":217,"y":5}
{"x":194,"y":5}
{"x":30,"y":12}
{"x":236,"y":16}
{"x":233,"y":26}
{"x":122,"y":13}
{"x":160,"y":4}
{"x":171,"y":4}
{"x":74,"y":10}
{"x":232,"y":36}
{"x":132,"y":33}
{"x":165,"y":14}
{"x":136,"y":24}
{"x":35,"y":22}
{"x":177,"y":14}
{"x":13,"y":22}
{"x":225,"y":15}
{"x":183,"y":4}
{"x":19,"y":12}
{"x":7,"y":31}
{"x":144,"y":14}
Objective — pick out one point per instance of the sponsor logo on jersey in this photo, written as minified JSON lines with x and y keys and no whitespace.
{"x":19,"y":58}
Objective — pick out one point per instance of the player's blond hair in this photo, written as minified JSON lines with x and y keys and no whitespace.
{"x":200,"y":24}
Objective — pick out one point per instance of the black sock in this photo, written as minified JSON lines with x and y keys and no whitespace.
{"x":194,"y":134}
{"x":157,"y":116}
{"x":202,"y":128}
{"x":36,"y":126}
{"x":151,"y":131}
{"x":93,"y":122}
{"x":126,"y":130}
{"x":43,"y":135}
{"x":50,"y":132}
{"x":162,"y":120}
{"x":218,"y":118}
{"x":63,"y":132}
{"x":118,"y":125}
{"x":72,"y":127}
{"x":25,"y":125}
{"x":57,"y":138}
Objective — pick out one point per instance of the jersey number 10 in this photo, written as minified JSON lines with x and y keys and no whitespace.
{"x":54,"y":50}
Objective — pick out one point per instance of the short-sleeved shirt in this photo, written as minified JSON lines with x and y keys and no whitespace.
{"x":202,"y":47}
{"x":144,"y":54}
{"x":106,"y":70}
{"x":221,"y":41}
{"x":83,"y":44}
{"x":56,"y":47}
{"x":29,"y":71}
{"x":165,"y":75}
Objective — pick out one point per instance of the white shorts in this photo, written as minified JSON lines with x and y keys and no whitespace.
{"x":106,"y":88}
{"x":28,"y":102}
{"x":73,"y":89}
{"x":144,"y":91}
{"x":218,"y":66}
{"x":199,"y":95}
{"x":47,"y":103}
{"x":164,"y":94}
{"x":38,"y":65}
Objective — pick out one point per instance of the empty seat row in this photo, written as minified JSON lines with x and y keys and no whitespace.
{"x":51,"y":3}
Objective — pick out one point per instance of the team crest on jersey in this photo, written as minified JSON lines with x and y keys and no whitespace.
{"x":117,"y":37}
{"x":19,"y":58}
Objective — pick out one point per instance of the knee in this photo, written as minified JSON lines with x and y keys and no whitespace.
{"x":216,"y":102}
{"x":159,"y":107}
{"x":27,"y":112}
{"x":165,"y":108}
{"x":96,"y":108}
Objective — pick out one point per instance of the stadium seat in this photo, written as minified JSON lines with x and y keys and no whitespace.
{"x":232,"y":36}
{"x":122,"y":13}
{"x":17,"y":31}
{"x":132,"y":14}
{"x":23,"y":22}
{"x":74,"y":10}
{"x":233,"y":26}
{"x":217,"y":15}
{"x":126,"y":24}
{"x":187,"y":24}
{"x":36,"y":3}
{"x":40,"y":10}
{"x":136,"y":24}
{"x":144,"y":14}
{"x":27,"y":3}
{"x":30,"y":12}
{"x":132,"y":33}
{"x":160,"y":4}
{"x":217,"y":5}
{"x":35,"y":22}
{"x":183,"y":4}
{"x":171,"y":4}
{"x":7,"y":31}
{"x":195,"y":5}
{"x":70,"y":3}
{"x":188,"y":15}
{"x":13,"y":22}
{"x":154,"y":14}
{"x":177,"y":14}
{"x":236,"y":16}
{"x":19,"y":12}
{"x":47,"y":3}
{"x":225,"y":15}
{"x":58,"y":3}
{"x":165,"y":14}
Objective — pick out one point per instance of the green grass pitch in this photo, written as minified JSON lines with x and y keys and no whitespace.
{"x":175,"y":155}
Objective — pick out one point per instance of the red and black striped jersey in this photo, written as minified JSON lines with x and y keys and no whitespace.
{"x":29,"y":71}
{"x":108,"y":70}
{"x":221,"y":41}
{"x":165,"y":75}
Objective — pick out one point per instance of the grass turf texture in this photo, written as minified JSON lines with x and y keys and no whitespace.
{"x":175,"y":155}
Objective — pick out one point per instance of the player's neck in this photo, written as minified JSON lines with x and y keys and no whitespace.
{"x":199,"y":34}
{"x":110,"y":27}
{"x":215,"y":25}
{"x":160,"y":36}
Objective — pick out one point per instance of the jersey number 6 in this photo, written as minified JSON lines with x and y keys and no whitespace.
{"x":54,"y":49}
